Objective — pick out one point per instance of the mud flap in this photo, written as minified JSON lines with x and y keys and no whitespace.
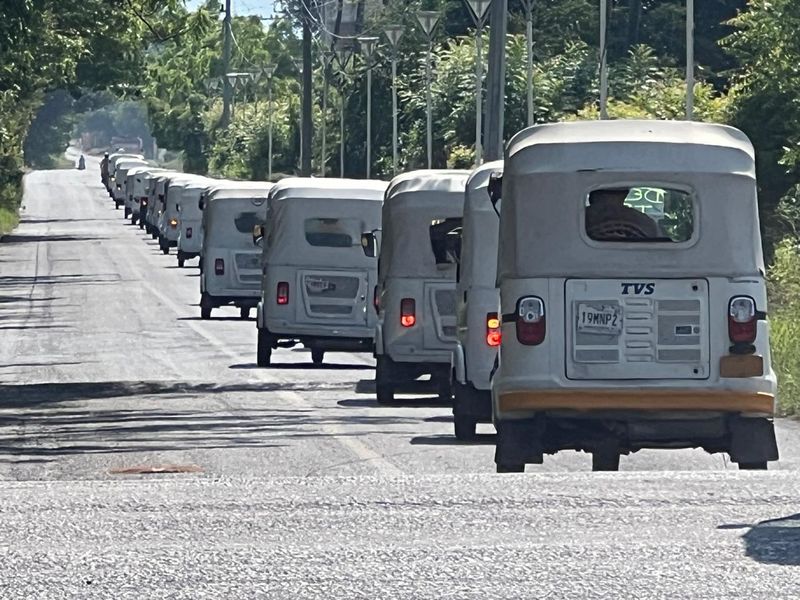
{"x":752,"y":440}
{"x":519,"y":442}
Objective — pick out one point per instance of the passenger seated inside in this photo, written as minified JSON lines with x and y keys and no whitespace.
{"x":609,"y":219}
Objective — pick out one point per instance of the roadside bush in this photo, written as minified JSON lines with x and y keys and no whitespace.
{"x":783,"y":284}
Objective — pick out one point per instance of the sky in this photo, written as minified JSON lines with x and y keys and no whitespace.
{"x":262,"y":8}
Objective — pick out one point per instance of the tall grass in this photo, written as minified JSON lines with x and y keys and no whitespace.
{"x":783,"y":284}
{"x":10,"y":196}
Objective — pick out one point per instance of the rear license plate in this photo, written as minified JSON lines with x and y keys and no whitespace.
{"x":603,"y":320}
{"x":318,"y":286}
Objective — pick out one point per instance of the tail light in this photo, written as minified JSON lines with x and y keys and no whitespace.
{"x":742,"y":320}
{"x":408,"y":312}
{"x":493,"y":333}
{"x":173,"y":223}
{"x":219,"y":266}
{"x":143,"y":201}
{"x":188,"y":232}
{"x":282,"y":296}
{"x":376,"y":299}
{"x":530,"y":320}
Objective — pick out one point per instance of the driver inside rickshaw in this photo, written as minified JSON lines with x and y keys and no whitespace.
{"x":608,"y":218}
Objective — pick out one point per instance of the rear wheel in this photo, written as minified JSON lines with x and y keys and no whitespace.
{"x":464,"y":427}
{"x":264,"y":349}
{"x":181,"y":261}
{"x":317,"y":356}
{"x":605,"y":461}
{"x":384,"y":388}
{"x":244,"y":312}
{"x":753,"y":466}
{"x":141,"y":224}
{"x":116,"y":204}
{"x":205,"y":306}
{"x":127,"y":212}
{"x":511,"y":468}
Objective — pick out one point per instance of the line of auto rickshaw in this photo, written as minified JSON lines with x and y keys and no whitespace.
{"x":616,"y":302}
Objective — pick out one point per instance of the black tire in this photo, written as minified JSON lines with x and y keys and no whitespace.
{"x":134,"y":219}
{"x":205,"y":306}
{"x":141,"y":224}
{"x":244,"y":313}
{"x":511,"y":468}
{"x":164,"y":245}
{"x":464,"y":427}
{"x":181,"y":261}
{"x":605,"y":461}
{"x":116,"y":204}
{"x":384,"y":388}
{"x":264,"y":348}
{"x":753,"y":466}
{"x":317,"y":356}
{"x":127,"y":212}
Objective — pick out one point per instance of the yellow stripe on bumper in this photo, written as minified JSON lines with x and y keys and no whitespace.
{"x":650,"y":400}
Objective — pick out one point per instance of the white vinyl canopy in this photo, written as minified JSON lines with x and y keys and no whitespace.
{"x":413,"y":202}
{"x":354,"y":203}
{"x":551,"y":169}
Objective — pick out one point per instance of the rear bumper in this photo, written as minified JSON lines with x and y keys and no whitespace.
{"x":240,"y":301}
{"x":286,"y":329}
{"x":642,"y":400}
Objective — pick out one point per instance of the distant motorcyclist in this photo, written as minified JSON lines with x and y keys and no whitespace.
{"x":104,"y":170}
{"x":81,"y":163}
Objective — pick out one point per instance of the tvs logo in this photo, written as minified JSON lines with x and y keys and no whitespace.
{"x":638,"y":289}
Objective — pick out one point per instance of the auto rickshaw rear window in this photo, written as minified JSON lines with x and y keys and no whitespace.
{"x":245,"y":221}
{"x":639,"y":214}
{"x":333,"y":233}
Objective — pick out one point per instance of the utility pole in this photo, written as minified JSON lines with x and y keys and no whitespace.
{"x":689,"y":60}
{"x":227,"y":90}
{"x":305,"y":134}
{"x":496,"y":81}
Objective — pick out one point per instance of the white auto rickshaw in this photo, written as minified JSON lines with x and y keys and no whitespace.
{"x":169,"y":221}
{"x":632,"y":295}
{"x":120,"y":177}
{"x":190,"y":219}
{"x":416,"y":330}
{"x":317,"y":288}
{"x":231,"y":270}
{"x":135,"y":190}
{"x":477,"y":299}
{"x":156,"y":203}
{"x":113,"y":159}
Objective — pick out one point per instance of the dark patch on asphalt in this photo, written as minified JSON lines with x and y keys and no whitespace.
{"x":775,"y":542}
{"x":481,"y":439}
{"x":155,"y":469}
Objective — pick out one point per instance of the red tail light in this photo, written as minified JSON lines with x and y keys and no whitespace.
{"x":408,"y":312}
{"x":219,"y":266}
{"x":742,"y":320}
{"x":376,"y":299}
{"x":188,"y":232}
{"x":282,"y":296}
{"x":531,"y":322}
{"x":493,"y":334}
{"x":143,"y":201}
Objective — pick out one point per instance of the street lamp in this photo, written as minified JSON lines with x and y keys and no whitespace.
{"x":368,"y":49}
{"x":326,"y":56}
{"x":393,"y":34}
{"x":233,"y":79}
{"x":298,"y":64}
{"x":528,"y":5}
{"x":427,"y":20}
{"x":343,"y":56}
{"x":479,"y":8}
{"x":269,"y":72}
{"x":255,"y":77}
{"x":603,"y":63}
{"x":689,"y":60}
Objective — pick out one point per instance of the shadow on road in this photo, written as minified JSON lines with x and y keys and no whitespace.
{"x":481,"y":439}
{"x":17,"y":238}
{"x":774,"y":542}
{"x":309,"y":366}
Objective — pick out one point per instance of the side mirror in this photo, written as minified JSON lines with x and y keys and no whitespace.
{"x":258,"y":235}
{"x":446,"y":240}
{"x":369,"y":244}
{"x":495,"y":188}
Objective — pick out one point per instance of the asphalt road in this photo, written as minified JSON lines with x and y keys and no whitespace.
{"x":293,"y":483}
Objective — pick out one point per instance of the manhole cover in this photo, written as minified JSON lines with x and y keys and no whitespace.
{"x":156,"y":469}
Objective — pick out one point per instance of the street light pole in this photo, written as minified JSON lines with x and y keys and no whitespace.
{"x":478,"y":9}
{"x":327,"y":55}
{"x":255,"y":76}
{"x":528,"y":4}
{"x":689,"y":60}
{"x":427,"y":20}
{"x":393,"y":33}
{"x":269,"y":71}
{"x":298,"y":63}
{"x":603,"y":61}
{"x":368,"y":49}
{"x":342,"y":57}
